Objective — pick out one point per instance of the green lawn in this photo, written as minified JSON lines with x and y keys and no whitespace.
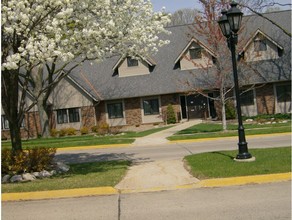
{"x":209,"y":130}
{"x":82,"y":175}
{"x":221,"y":164}
{"x":86,"y":140}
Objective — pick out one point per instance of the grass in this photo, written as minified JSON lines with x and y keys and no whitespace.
{"x":209,"y":130}
{"x":221,"y":164}
{"x":93,"y":174}
{"x":87,"y":140}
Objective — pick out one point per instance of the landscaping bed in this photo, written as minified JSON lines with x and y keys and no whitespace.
{"x":84,"y":175}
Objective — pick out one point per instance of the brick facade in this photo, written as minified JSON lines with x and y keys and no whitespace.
{"x":133,"y":111}
{"x":100,"y":113}
{"x":172,"y":99}
{"x":265,"y":99}
{"x":87,"y":116}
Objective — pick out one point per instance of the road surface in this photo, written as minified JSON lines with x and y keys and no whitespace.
{"x":265,"y":201}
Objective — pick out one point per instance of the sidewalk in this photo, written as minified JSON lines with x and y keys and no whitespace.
{"x":160,"y":137}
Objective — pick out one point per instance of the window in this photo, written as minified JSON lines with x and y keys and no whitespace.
{"x":115,"y":110}
{"x":283,"y":93}
{"x":74,"y":115}
{"x":260,"y":45}
{"x":4,"y":122}
{"x":247,"y":98}
{"x":151,"y":107}
{"x":195,"y":53}
{"x":132,"y":62}
{"x":62,"y":115}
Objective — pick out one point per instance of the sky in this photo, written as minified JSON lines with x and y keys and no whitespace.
{"x":173,"y":5}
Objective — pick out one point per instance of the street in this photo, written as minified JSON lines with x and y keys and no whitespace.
{"x":265,"y":201}
{"x":171,"y":151}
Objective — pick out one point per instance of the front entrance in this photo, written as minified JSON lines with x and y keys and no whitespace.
{"x":196,"y":107}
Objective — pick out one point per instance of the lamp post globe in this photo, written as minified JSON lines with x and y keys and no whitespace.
{"x":224,"y":24}
{"x":234,"y":16}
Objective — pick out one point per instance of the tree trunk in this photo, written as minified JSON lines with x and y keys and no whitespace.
{"x":37,"y":76}
{"x":222,"y":98}
{"x":44,"y":117}
{"x":15,"y":137}
{"x":10,"y":104}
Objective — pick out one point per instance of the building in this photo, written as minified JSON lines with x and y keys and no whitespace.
{"x":128,"y":93}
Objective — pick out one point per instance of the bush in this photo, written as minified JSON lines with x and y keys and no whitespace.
{"x":84,"y":130}
{"x":170,"y":115}
{"x":33,"y":160}
{"x":54,"y":132}
{"x":94,"y":129}
{"x":40,"y":158}
{"x":103,"y":128}
{"x":115,"y":130}
{"x":70,"y":131}
{"x":265,"y":117}
{"x":63,"y":132}
{"x":230,"y":111}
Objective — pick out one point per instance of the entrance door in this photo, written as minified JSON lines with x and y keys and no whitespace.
{"x":197,"y":106}
{"x":212,"y":108}
{"x":183,"y":105}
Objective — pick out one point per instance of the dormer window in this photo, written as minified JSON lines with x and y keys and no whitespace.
{"x":260,"y":45}
{"x":132,"y":62}
{"x":195,"y":53}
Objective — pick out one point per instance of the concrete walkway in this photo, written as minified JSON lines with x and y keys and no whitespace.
{"x":160,"y":137}
{"x":158,"y":174}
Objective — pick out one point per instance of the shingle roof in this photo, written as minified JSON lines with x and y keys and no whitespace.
{"x":166,"y":78}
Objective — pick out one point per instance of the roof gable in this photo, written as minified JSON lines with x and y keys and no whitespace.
{"x":194,"y":40}
{"x":148,"y":60}
{"x":259,"y":32}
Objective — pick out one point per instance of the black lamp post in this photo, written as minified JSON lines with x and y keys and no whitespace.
{"x":229,"y":24}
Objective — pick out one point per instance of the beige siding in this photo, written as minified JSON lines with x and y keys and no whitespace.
{"x":141,"y":69}
{"x":204,"y":62}
{"x":270,"y":53}
{"x":67,"y":95}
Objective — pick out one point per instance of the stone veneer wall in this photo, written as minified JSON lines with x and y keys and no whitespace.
{"x":265,"y":99}
{"x":133,"y":111}
{"x":100,"y":113}
{"x":172,"y":99}
{"x":87,"y":116}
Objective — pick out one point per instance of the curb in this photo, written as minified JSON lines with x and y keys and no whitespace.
{"x":57,"y":194}
{"x":99,"y":191}
{"x":231,"y":137}
{"x":94,"y":147}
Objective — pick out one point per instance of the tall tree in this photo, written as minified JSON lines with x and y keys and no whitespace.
{"x":53,"y":34}
{"x":183,"y":16}
{"x":207,"y":28}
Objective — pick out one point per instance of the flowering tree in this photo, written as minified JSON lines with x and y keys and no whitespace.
{"x":52,"y":35}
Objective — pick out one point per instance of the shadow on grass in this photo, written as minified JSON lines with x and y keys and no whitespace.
{"x":223,"y":154}
{"x":76,"y":158}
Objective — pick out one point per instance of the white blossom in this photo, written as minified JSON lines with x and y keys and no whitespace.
{"x":68,"y":28}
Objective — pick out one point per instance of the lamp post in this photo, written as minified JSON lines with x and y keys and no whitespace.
{"x":229,"y":24}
